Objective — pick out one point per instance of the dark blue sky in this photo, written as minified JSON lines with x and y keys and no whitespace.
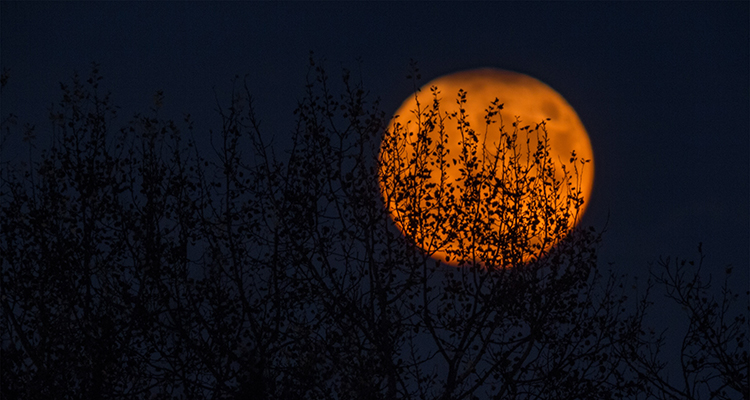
{"x":662,"y":88}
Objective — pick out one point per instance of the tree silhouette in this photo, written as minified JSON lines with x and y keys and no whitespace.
{"x":713,"y":352}
{"x":136,"y":265}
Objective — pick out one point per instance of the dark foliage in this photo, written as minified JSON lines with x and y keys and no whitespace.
{"x":137,"y":265}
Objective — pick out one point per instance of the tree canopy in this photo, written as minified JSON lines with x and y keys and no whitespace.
{"x":137,"y":264}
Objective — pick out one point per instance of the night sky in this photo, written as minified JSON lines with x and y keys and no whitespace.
{"x":662,"y":88}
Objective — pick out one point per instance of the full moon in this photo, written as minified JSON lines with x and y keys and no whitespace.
{"x":471,"y":188}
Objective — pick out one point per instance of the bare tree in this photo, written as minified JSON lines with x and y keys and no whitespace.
{"x":713,"y":362}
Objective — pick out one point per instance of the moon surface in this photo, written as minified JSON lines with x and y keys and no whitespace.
{"x":420,"y":205}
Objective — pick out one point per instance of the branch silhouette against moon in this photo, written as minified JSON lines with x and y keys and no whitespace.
{"x":486,"y":167}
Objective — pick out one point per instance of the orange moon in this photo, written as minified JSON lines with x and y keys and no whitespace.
{"x":523,"y":97}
